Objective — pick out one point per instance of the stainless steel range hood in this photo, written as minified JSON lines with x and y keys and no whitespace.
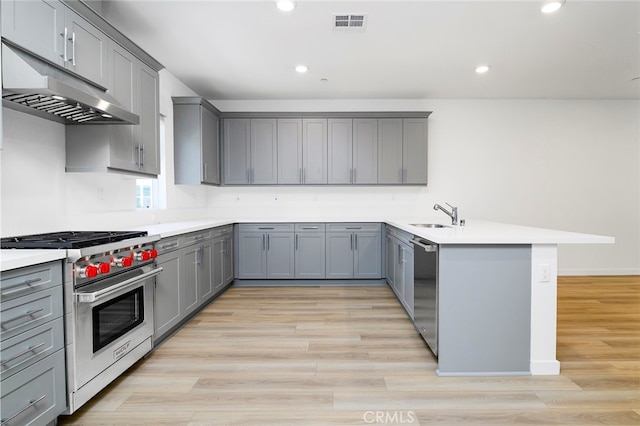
{"x":35,"y":87}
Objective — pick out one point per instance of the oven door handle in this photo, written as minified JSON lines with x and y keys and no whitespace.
{"x":97,"y":295}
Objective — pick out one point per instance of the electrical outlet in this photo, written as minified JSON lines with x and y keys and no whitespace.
{"x":545,"y":273}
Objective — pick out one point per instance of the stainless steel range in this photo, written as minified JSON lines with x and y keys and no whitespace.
{"x":108,"y":292}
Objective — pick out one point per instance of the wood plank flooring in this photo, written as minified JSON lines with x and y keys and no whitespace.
{"x":339,"y":355}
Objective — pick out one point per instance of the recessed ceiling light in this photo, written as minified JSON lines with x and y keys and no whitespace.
{"x":481,"y":69}
{"x":551,"y":6}
{"x":285,"y":5}
{"x":301,"y":69}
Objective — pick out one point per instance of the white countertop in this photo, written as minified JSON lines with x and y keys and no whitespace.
{"x":474,"y":232}
{"x":15,"y":258}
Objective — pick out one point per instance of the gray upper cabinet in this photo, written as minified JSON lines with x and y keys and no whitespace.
{"x":365,"y":151}
{"x":414,"y":150}
{"x":133,"y":149}
{"x":35,"y":25}
{"x":289,"y":151}
{"x":56,"y":33}
{"x":314,"y":151}
{"x":264,"y":160}
{"x":402,"y":151}
{"x":196,"y":141}
{"x":340,"y":151}
{"x":237,"y":151}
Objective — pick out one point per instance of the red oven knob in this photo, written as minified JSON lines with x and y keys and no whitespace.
{"x":104,"y":267}
{"x":143,"y":256}
{"x":123,"y":262}
{"x":90,"y":271}
{"x":153,"y":253}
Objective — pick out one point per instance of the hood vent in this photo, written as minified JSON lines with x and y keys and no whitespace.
{"x":347,"y":21}
{"x":35,"y":87}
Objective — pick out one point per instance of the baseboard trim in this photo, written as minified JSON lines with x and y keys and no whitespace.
{"x":592,"y":272}
{"x":307,"y":283}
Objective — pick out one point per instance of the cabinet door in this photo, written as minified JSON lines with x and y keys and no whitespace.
{"x":87,"y":49}
{"x":414,"y":153}
{"x":339,"y":255}
{"x":367,"y":255}
{"x":390,"y":260}
{"x":310,"y":255}
{"x":189,"y":283}
{"x":205,"y":271}
{"x":252,"y":255}
{"x":167,"y":293}
{"x":264,"y":151}
{"x":217,"y":265}
{"x":365,"y":151}
{"x":237,"y":151}
{"x":280,"y":256}
{"x":227,"y":262}
{"x":390,"y":151}
{"x":406,"y":262}
{"x":289,"y":151}
{"x":340,"y":151}
{"x":147,"y":133}
{"x":314,"y":151}
{"x":210,"y":167}
{"x":124,"y":87}
{"x":36,"y":25}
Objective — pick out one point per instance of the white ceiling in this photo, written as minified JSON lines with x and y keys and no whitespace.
{"x":226,"y":50}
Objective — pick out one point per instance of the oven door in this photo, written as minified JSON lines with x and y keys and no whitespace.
{"x":112,"y":317}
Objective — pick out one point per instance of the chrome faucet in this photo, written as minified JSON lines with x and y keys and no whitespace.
{"x":453,"y":214}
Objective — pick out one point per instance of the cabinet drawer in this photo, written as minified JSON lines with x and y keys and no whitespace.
{"x":353,"y":227}
{"x":222,"y":230}
{"x":266,"y":227}
{"x":23,"y":313}
{"x":35,"y":395}
{"x":19,"y":282}
{"x":310,"y":227}
{"x":31,"y":346}
{"x":166,"y":245}
{"x":197,"y":237}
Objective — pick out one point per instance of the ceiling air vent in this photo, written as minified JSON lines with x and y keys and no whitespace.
{"x":349,"y":21}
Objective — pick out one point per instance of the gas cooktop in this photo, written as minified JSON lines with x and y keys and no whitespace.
{"x":68,"y":239}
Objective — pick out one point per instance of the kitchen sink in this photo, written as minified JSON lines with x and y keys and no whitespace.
{"x":429,"y":225}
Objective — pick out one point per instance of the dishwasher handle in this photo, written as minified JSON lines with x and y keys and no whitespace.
{"x":426,"y":245}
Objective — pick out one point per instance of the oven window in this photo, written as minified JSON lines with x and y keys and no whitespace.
{"x":116,"y":317}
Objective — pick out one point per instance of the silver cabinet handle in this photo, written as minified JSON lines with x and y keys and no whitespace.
{"x":31,"y":404}
{"x":356,"y":241}
{"x":166,"y":246}
{"x":204,"y":171}
{"x":23,"y":283}
{"x":354,"y":227}
{"x":73,"y":48}
{"x":64,"y":56}
{"x":26,"y":351}
{"x":296,"y":247}
{"x":399,"y":254}
{"x":351,"y":239}
{"x":310,"y":227}
{"x":26,"y":314}
{"x":264,"y":243}
{"x":141,"y":155}
{"x":268,"y":241}
{"x":265,"y":228}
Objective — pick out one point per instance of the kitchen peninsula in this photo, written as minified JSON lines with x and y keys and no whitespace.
{"x":472,"y":241}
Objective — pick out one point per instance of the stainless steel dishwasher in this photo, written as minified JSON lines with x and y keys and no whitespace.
{"x":425,"y":274}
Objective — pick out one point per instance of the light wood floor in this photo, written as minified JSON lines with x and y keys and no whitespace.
{"x":337,"y":355}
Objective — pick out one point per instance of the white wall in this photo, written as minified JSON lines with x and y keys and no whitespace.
{"x":570,"y":165}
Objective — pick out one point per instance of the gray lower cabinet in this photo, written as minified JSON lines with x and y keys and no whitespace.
{"x":32,"y":390}
{"x":196,"y":267}
{"x":266,"y":251}
{"x":402,"y":151}
{"x":399,"y":264}
{"x":196,"y":141}
{"x":354,"y":250}
{"x":310,"y":251}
